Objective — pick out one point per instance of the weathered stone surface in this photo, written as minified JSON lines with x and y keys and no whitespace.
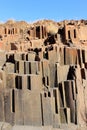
{"x":5,"y":126}
{"x":43,"y":75}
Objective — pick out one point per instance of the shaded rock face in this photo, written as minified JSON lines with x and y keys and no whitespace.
{"x":43,"y":74}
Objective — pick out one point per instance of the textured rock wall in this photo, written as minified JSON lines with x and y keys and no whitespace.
{"x":43,"y":74}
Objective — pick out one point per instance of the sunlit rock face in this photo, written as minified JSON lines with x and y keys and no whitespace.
{"x":43,"y":75}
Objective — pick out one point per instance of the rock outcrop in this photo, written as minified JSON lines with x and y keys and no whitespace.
{"x":43,"y":74}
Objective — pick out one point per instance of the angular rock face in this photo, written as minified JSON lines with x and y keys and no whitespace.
{"x":43,"y":73}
